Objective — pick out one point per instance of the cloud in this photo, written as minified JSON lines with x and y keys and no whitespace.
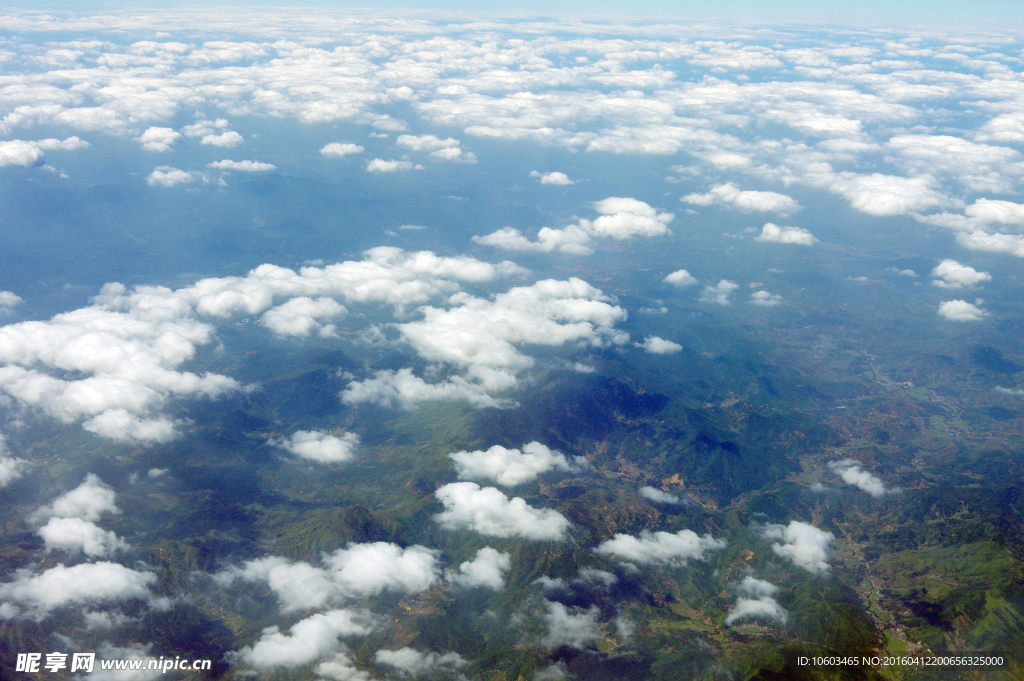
{"x":9,"y":300}
{"x":954,"y":275}
{"x":680,"y":278}
{"x":772,"y":233}
{"x":511,"y":466}
{"x":412,"y":227}
{"x":158,"y":139}
{"x":729,"y":193}
{"x":555,"y":178}
{"x":656,"y":495}
{"x":410,"y":662}
{"x":166,"y":176}
{"x":574,"y":628}
{"x":340,"y":668}
{"x":619,"y":218}
{"x":85,"y":583}
{"x":379,"y":165}
{"x":135,"y":651}
{"x":853,"y":474}
{"x":402,"y":389}
{"x":88,"y":501}
{"x":227,"y":139}
{"x":302,"y":316}
{"x":74,"y":534}
{"x":489,"y":512}
{"x":317,"y":445}
{"x":1012,"y":244}
{"x":242,"y":166}
{"x":961,"y":311}
{"x":11,"y":467}
{"x":309,"y":640}
{"x":339,"y":150}
{"x":1015,"y":392}
{"x":357,"y":571}
{"x":659,"y":346}
{"x":29,"y":154}
{"x":757,"y":603}
{"x":719,"y":293}
{"x":805,"y":545}
{"x":765,"y":299}
{"x":660,"y":548}
{"x":441,"y":149}
{"x":487,"y":570}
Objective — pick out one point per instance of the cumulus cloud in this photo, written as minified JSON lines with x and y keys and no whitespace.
{"x":158,"y":140}
{"x":719,"y":293}
{"x":680,"y":278}
{"x":309,"y":640}
{"x":619,"y":218}
{"x":757,"y":602}
{"x":242,"y":166}
{"x":85,"y":583}
{"x":961,"y":311}
{"x":555,"y":177}
{"x":135,"y":651}
{"x":412,"y":663}
{"x":489,"y":512}
{"x":339,"y":150}
{"x":659,"y":346}
{"x":357,"y":571}
{"x":765,"y":299}
{"x":660,"y":548}
{"x":9,"y":300}
{"x":853,"y":473}
{"x":88,"y":502}
{"x":511,"y":466}
{"x":302,"y":316}
{"x":11,"y":467}
{"x":379,"y":165}
{"x":317,"y":445}
{"x":226,"y":139}
{"x":772,"y":233}
{"x":487,"y":570}
{"x":805,"y":545}
{"x":730,"y":194}
{"x":75,"y":534}
{"x":29,"y":154}
{"x":574,"y":628}
{"x":952,"y":274}
{"x":441,"y":149}
{"x":656,"y":495}
{"x":166,"y":176}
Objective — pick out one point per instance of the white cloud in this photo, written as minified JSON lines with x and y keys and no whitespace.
{"x":412,"y":227}
{"x":309,"y":640}
{"x":772,"y":233}
{"x":729,"y":193}
{"x":881,"y":195}
{"x":1012,"y":244}
{"x":340,"y":668}
{"x":765,"y":299}
{"x":1015,"y":392}
{"x":87,"y":501}
{"x":680,"y":278}
{"x":989,"y":211}
{"x":317,"y":445}
{"x":425,"y":142}
{"x":227,"y":139}
{"x":302,"y":316}
{"x":658,"y":496}
{"x":242,"y":166}
{"x":379,"y":165}
{"x":9,"y":300}
{"x":166,"y":176}
{"x":719,"y":293}
{"x":489,"y":512}
{"x":659,"y":346}
{"x":757,"y":603}
{"x":136,"y":651}
{"x":487,"y":570}
{"x":555,"y":178}
{"x":853,"y":474}
{"x":11,"y":467}
{"x":511,"y":466}
{"x":158,"y":139}
{"x":961,"y":311}
{"x":805,"y":545}
{"x":28,"y":154}
{"x":575,"y":628}
{"x":75,"y":534}
{"x":85,"y":583}
{"x":299,"y":586}
{"x":660,"y":548}
{"x":410,"y":662}
{"x":339,"y":150}
{"x":402,"y":389}
{"x":954,"y":275}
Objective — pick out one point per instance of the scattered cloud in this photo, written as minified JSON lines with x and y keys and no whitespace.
{"x":660,"y":548}
{"x":301,"y":316}
{"x":158,"y":140}
{"x":680,"y":278}
{"x":952,"y":274}
{"x":719,"y":293}
{"x":412,"y":663}
{"x":487,"y":511}
{"x":319,"y":446}
{"x":555,"y":178}
{"x":511,"y":466}
{"x":166,"y":176}
{"x":75,"y":534}
{"x":805,"y":545}
{"x":487,"y":570}
{"x":340,"y":150}
{"x":85,"y":583}
{"x":757,"y":602}
{"x":659,"y":346}
{"x":852,"y":473}
{"x":570,"y":627}
{"x":772,"y":233}
{"x":765,"y":299}
{"x":88,"y":502}
{"x":730,"y":194}
{"x":656,"y":495}
{"x":29,"y":154}
{"x":379,"y":165}
{"x":242,"y":166}
{"x":961,"y":311}
{"x":314,"y":638}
